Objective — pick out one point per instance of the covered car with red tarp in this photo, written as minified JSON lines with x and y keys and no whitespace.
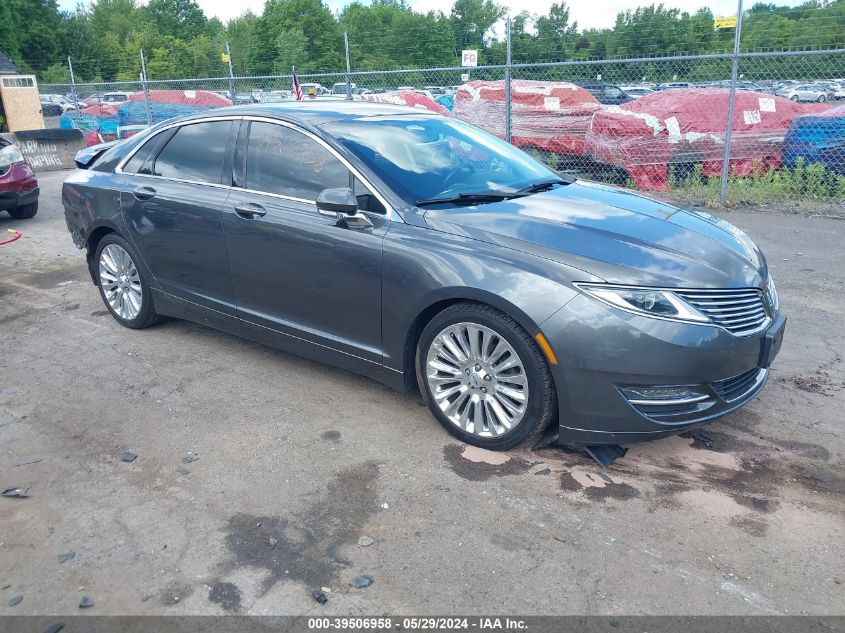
{"x":166,"y":104}
{"x":204,"y":98}
{"x":552,"y":116}
{"x":673,"y":130}
{"x":406,"y":98}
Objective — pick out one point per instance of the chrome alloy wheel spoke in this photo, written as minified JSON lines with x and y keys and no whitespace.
{"x":477,"y":380}
{"x":120,"y":282}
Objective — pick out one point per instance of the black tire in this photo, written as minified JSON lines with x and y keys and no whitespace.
{"x":794,"y":98}
{"x":822,"y":98}
{"x":542,"y":398}
{"x":24,"y":212}
{"x":147,"y":315}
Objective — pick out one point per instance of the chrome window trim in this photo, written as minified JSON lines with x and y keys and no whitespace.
{"x":390,"y":213}
{"x":130,"y":155}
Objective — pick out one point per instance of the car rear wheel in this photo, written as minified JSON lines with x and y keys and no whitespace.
{"x":24,"y":212}
{"x":822,"y":99}
{"x":123,"y":285}
{"x":484,"y":378}
{"x":794,"y":97}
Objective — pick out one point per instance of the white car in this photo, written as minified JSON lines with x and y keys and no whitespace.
{"x":59,"y":100}
{"x":806,"y":92}
{"x":636,"y":91}
{"x":114,"y":98}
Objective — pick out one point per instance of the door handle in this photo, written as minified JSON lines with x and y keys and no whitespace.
{"x":249,"y":211}
{"x":144,"y":193}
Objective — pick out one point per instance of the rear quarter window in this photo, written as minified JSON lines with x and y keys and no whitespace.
{"x":196,"y":152}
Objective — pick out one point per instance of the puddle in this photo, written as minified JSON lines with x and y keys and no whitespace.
{"x":226,"y":594}
{"x":305,"y":546}
{"x":478,"y":464}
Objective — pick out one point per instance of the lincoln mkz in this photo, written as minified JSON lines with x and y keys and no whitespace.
{"x":427,"y":254}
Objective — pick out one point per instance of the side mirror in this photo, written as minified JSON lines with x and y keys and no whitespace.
{"x":337,"y":200}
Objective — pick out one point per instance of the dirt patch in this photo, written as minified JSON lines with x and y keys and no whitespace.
{"x":97,"y":313}
{"x":819,"y":382}
{"x":750,"y":525}
{"x":331,"y":436}
{"x":69,"y":275}
{"x":619,"y":491}
{"x":226,"y":594}
{"x":306,"y":546}
{"x":476,"y":464}
{"x":70,"y":307}
{"x":176,"y":593}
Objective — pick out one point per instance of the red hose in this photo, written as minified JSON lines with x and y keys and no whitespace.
{"x":16,"y":235}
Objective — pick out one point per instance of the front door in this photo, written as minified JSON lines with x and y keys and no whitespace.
{"x":295,"y":271}
{"x":173,"y":207}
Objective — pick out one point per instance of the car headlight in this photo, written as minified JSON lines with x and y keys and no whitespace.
{"x":650,"y":302}
{"x":774,"y":300}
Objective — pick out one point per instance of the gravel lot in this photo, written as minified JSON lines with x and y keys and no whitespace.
{"x":297,"y":461}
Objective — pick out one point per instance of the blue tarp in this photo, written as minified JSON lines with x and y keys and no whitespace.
{"x":817,"y":139}
{"x":90,"y":122}
{"x":135,"y":112}
{"x":447,"y":101}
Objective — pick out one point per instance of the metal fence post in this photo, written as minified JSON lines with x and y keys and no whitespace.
{"x":348,"y":67}
{"x":508,"y":62}
{"x":231,"y":74}
{"x":73,"y":93}
{"x":146,"y":89}
{"x":723,"y":185}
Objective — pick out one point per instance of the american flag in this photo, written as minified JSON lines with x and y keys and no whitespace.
{"x":297,"y":89}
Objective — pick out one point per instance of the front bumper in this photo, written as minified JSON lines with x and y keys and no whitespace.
{"x":601,"y":349}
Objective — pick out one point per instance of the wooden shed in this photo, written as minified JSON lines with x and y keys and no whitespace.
{"x":20,"y":104}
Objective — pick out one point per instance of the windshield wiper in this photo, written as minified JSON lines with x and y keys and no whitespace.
{"x":544,"y":185}
{"x":478,"y":197}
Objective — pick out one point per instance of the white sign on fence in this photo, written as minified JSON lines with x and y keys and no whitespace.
{"x":469,"y":58}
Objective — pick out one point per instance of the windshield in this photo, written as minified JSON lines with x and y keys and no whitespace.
{"x":426,"y":157}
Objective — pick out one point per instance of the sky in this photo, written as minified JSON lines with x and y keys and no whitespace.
{"x":588,"y":13}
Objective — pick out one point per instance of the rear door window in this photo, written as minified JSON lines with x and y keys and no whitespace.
{"x":196,"y":152}
{"x":284,"y":161}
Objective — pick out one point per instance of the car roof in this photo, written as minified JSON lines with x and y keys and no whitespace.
{"x":316,"y":112}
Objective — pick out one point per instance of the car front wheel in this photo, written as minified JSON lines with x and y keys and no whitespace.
{"x":123,"y":286}
{"x":484,"y":378}
{"x":822,"y":98}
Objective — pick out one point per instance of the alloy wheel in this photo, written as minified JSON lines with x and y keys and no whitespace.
{"x":120,"y":282}
{"x":477,"y":379}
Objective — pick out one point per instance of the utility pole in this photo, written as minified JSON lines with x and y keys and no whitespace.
{"x":146,"y":89}
{"x":231,"y":74}
{"x":73,"y":92}
{"x":723,"y":185}
{"x":508,"y":63}
{"x":348,"y":67}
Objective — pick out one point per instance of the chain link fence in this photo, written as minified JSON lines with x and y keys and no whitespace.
{"x":656,"y":124}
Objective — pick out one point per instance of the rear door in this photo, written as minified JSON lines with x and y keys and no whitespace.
{"x":294,"y":270}
{"x":174,"y":208}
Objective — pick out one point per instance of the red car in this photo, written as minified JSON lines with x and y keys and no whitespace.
{"x":18,"y":185}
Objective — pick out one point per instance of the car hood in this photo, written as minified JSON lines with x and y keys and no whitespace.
{"x":616,"y":235}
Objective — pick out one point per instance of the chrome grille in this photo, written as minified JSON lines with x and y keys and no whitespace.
{"x":739,"y":311}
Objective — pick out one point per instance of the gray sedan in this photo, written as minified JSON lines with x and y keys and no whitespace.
{"x":424,"y":253}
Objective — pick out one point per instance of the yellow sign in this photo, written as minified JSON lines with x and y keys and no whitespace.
{"x":728,"y":22}
{"x":224,"y":57}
